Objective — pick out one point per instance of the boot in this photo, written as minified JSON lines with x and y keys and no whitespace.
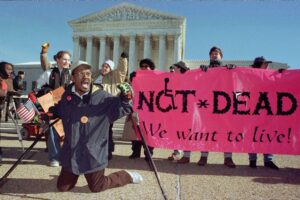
{"x":271,"y":165}
{"x":202,"y":161}
{"x":183,"y":160}
{"x":135,"y":155}
{"x":252,"y":164}
{"x":229,"y":162}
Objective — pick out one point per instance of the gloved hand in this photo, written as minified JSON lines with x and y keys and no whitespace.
{"x":124,"y":55}
{"x":45,"y":47}
{"x":131,"y":76}
{"x":44,"y":116}
{"x":126,"y":90}
{"x":204,"y":67}
{"x":230,"y":66}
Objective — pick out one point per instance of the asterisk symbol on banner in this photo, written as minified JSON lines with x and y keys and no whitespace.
{"x":202,"y":103}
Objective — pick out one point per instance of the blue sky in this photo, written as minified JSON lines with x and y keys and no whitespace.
{"x":244,"y":29}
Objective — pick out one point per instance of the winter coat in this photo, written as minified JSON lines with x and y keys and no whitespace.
{"x":52,"y":77}
{"x":111,"y":80}
{"x":86,"y":123}
{"x":3,"y":91}
{"x":18,"y":83}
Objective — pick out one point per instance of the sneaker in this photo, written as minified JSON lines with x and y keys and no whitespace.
{"x":134,"y":155}
{"x":174,"y":156}
{"x":54,"y":163}
{"x":271,"y":165}
{"x":183,"y":160}
{"x":252,"y":164}
{"x":202,"y":161}
{"x":136,"y":177}
{"x":229,"y":162}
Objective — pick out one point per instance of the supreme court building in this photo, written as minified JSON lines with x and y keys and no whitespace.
{"x":141,"y":32}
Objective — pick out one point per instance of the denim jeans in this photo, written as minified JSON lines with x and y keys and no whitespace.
{"x":267,"y":157}
{"x":53,"y":145}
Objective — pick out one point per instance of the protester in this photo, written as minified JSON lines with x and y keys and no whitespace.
{"x":109,"y":79}
{"x":19,"y":81}
{"x":7,"y":74}
{"x":261,"y":63}
{"x":215,"y":55}
{"x":87,"y":112}
{"x":6,"y":87}
{"x":51,"y":79}
{"x":179,"y":67}
{"x":3,"y":91}
{"x":129,"y":132}
{"x":19,"y":85}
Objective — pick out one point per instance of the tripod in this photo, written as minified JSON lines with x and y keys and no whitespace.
{"x":38,"y":137}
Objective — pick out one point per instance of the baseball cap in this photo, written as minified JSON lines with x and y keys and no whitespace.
{"x":259,"y":60}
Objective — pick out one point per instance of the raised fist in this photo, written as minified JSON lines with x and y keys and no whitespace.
{"x":124,"y":55}
{"x":126,"y":90}
{"x":45,"y":47}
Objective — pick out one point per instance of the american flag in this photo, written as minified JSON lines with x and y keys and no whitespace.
{"x":26,"y":111}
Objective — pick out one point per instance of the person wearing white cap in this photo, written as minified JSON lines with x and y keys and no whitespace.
{"x":109,"y":78}
{"x":86,"y":112}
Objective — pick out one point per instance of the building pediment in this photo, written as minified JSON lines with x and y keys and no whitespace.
{"x":124,"y":12}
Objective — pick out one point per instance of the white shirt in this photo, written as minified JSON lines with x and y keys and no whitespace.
{"x":44,"y":78}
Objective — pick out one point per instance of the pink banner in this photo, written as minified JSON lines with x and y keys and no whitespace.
{"x":221,"y":110}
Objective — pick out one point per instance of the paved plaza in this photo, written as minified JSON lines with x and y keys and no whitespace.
{"x":33,"y":179}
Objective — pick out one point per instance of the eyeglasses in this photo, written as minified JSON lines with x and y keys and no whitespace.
{"x":84,"y":74}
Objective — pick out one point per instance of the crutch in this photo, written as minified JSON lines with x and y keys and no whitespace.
{"x":137,"y":128}
{"x":38,"y":137}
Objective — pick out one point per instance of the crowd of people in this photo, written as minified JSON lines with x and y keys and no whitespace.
{"x":92,"y":101}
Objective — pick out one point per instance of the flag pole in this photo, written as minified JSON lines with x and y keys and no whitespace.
{"x":38,"y":137}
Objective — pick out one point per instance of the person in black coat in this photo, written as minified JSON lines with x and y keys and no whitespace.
{"x":87,"y":112}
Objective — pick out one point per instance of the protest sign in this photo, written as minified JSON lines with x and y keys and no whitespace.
{"x":221,"y":110}
{"x":49,"y":100}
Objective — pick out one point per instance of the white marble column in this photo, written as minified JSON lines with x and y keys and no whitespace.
{"x":76,"y":49}
{"x":89,"y":48}
{"x":116,"y":49}
{"x":147,"y":47}
{"x":82,"y":48}
{"x":162,"y":52}
{"x":132,"y":57}
{"x":177,"y":56}
{"x":102,"y":43}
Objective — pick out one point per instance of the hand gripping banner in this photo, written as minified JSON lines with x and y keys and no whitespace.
{"x":222,"y":110}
